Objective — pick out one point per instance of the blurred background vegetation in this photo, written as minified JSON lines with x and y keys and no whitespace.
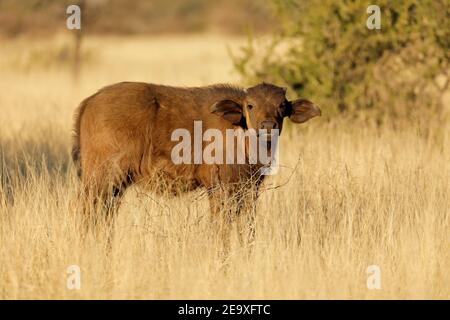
{"x":137,"y":17}
{"x":321,"y":49}
{"x":37,"y":38}
{"x":325,"y":51}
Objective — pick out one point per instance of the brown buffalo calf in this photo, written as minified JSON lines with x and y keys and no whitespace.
{"x":123,"y":135}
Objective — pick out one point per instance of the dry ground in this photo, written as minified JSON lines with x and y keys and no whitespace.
{"x":360,"y":195}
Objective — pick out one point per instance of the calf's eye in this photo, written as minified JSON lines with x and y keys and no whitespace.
{"x":249,"y":106}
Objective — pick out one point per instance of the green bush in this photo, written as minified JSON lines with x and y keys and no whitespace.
{"x":324,"y":51}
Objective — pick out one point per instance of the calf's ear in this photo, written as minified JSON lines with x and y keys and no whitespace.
{"x":229,"y":110}
{"x":301,"y":110}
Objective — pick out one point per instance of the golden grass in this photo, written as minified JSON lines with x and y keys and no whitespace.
{"x":361,"y":195}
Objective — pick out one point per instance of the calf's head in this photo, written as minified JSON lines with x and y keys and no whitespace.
{"x":265,"y":106}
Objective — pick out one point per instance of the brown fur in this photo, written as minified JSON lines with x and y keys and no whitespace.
{"x":123,"y":136}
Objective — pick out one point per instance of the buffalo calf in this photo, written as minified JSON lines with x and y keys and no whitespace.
{"x":124,"y":135}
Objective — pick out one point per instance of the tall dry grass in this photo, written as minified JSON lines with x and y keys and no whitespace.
{"x":361,"y":194}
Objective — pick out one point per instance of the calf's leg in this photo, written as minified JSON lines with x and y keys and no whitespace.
{"x":103,"y":189}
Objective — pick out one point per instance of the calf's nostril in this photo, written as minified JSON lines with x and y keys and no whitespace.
{"x":269,"y":125}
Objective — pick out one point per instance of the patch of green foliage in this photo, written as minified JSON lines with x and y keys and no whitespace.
{"x":325,"y":52}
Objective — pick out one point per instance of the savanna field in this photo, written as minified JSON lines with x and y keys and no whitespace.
{"x":351,"y":192}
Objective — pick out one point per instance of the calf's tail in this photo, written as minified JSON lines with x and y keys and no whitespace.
{"x":76,"y":149}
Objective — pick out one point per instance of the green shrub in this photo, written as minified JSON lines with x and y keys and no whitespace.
{"x":325,"y":52}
